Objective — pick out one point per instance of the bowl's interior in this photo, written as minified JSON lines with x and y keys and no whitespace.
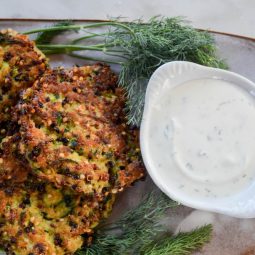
{"x":155,"y":153}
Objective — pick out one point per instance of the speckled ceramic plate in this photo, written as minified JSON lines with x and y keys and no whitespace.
{"x":231,"y":236}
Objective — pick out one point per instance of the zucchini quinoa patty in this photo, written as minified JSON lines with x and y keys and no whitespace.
{"x":21,"y":63}
{"x":66,"y":147}
{"x":73,"y":131}
{"x":40,"y":219}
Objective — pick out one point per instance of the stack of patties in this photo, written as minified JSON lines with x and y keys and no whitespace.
{"x":65,"y":150}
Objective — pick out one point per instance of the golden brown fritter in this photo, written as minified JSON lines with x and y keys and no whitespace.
{"x":63,"y":154}
{"x":21,"y":63}
{"x":73,"y":131}
{"x":40,"y":219}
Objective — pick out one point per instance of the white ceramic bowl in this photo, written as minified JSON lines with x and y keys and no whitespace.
{"x":242,"y":204}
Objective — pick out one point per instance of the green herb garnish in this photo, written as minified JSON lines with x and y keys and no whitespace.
{"x":181,"y":244}
{"x":139,"y":48}
{"x":139,"y":232}
{"x":46,"y":37}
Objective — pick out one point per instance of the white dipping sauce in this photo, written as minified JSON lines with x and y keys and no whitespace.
{"x":208,"y":137}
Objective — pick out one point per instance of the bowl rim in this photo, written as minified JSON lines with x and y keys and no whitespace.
{"x":201,"y":205}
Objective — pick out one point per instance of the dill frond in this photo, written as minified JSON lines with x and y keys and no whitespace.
{"x":138,"y":227}
{"x":138,"y":232}
{"x":181,"y":244}
{"x":46,"y":37}
{"x":157,"y":42}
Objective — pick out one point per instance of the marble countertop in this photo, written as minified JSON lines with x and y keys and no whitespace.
{"x":233,"y":16}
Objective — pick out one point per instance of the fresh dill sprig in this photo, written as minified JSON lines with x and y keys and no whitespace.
{"x":142,"y":48}
{"x":157,"y":42}
{"x":181,"y":244}
{"x":136,"y":228}
{"x":139,"y":232}
{"x":46,"y":37}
